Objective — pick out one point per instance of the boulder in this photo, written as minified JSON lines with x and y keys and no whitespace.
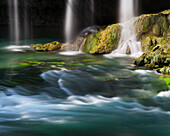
{"x":104,"y":41}
{"x":53,"y":46}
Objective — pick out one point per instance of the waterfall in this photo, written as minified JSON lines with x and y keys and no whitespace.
{"x":128,"y":36}
{"x":26,"y":24}
{"x":92,"y":11}
{"x":14,"y":20}
{"x":126,"y":10}
{"x":69,"y":21}
{"x":128,"y":43}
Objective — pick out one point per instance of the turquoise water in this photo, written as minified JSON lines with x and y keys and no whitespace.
{"x":48,"y":94}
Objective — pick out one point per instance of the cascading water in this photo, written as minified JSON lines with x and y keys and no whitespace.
{"x":128,"y":43}
{"x":69,"y":21}
{"x":14,"y":20}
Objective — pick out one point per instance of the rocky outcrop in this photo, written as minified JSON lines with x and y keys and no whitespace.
{"x":53,"y":46}
{"x":153,"y":31}
{"x":104,"y":41}
{"x":153,"y":25}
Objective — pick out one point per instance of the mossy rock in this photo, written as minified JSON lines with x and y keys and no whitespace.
{"x":142,"y":24}
{"x":53,"y":46}
{"x":104,"y":41}
{"x":155,"y":60}
{"x":146,"y":43}
{"x":166,"y":11}
{"x":152,"y":43}
{"x":168,"y":17}
{"x":156,"y":30}
{"x":165,"y":70}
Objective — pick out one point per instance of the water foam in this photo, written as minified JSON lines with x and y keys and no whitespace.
{"x":71,"y":53}
{"x":164,"y":94}
{"x":17,"y":48}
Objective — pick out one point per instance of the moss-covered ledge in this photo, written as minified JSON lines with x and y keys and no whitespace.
{"x":153,"y":31}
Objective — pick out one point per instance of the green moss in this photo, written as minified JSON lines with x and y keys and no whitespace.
{"x":114,"y":40}
{"x":146,"y":25}
{"x":90,"y":41}
{"x":167,"y":81}
{"x":104,"y":41}
{"x":23,"y":64}
{"x":166,"y":11}
{"x":47,"y":47}
{"x":163,"y":42}
{"x":156,"y":29}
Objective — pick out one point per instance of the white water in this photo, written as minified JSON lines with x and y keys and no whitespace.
{"x":128,"y":36}
{"x":126,"y":10}
{"x":14,"y":20}
{"x":69,"y":26}
{"x":71,"y":53}
{"x":17,"y":48}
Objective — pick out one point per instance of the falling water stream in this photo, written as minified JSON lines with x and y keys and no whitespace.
{"x":14,"y":21}
{"x":92,"y":11}
{"x":128,"y":37}
{"x":69,"y":25}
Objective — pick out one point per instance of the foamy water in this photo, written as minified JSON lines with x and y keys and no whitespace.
{"x":71,"y":53}
{"x":17,"y":48}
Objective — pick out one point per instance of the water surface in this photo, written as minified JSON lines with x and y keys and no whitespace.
{"x":51,"y":94}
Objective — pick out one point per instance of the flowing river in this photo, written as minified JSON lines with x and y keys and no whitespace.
{"x":51,"y":94}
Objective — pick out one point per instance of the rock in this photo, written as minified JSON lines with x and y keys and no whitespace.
{"x":53,"y":46}
{"x":154,"y":60}
{"x":156,"y":30}
{"x":128,"y":51}
{"x":104,"y":41}
{"x":165,"y":25}
{"x":152,"y":43}
{"x":164,"y":70}
{"x":142,"y":24}
{"x":169,"y":17}
{"x":80,"y":42}
{"x":146,"y":43}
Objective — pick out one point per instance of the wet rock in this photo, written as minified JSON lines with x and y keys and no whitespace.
{"x":164,"y":70}
{"x":128,"y":51}
{"x":53,"y":46}
{"x":156,"y":30}
{"x":104,"y":41}
{"x":154,"y":60}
